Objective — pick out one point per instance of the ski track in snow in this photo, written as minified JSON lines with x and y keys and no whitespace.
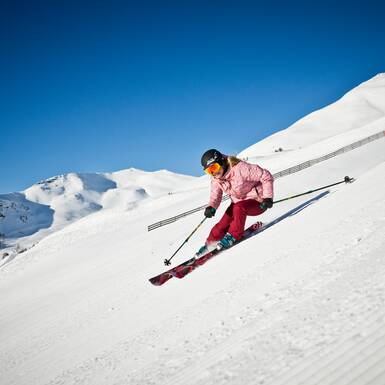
{"x":297,"y":326}
{"x":261,"y":326}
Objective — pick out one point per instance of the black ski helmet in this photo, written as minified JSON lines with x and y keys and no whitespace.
{"x":212,"y":156}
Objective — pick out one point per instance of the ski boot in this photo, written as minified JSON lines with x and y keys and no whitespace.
{"x":206,"y":248}
{"x":226,"y":242}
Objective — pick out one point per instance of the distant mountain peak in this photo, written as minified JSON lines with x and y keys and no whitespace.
{"x":55,"y":202}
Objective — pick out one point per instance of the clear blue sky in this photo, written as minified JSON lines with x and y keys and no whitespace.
{"x":97,"y":86}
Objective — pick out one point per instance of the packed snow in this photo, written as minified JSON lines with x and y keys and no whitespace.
{"x":302,"y":302}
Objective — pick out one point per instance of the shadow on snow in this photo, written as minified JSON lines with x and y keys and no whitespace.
{"x":293,"y":211}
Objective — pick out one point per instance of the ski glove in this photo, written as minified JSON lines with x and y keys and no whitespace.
{"x":209,"y":212}
{"x":266,"y":204}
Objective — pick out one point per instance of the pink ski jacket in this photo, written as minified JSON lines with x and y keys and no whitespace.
{"x":242,"y":181}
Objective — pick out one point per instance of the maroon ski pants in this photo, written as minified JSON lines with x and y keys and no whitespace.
{"x":234,"y":219}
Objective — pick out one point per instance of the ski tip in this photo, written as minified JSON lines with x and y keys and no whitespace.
{"x":160,"y":279}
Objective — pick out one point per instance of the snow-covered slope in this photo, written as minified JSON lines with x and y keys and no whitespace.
{"x":300,"y":303}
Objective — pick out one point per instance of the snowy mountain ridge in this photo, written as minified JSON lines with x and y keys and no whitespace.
{"x":51,"y":204}
{"x":359,"y":109}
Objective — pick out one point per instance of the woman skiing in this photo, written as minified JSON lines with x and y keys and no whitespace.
{"x":250,"y":189}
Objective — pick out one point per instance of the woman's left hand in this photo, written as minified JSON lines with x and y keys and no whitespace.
{"x":266,"y":204}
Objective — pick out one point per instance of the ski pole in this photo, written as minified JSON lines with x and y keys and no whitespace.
{"x":167,"y":261}
{"x":347,"y":179}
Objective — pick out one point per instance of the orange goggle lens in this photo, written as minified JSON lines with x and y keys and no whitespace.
{"x":213,"y":168}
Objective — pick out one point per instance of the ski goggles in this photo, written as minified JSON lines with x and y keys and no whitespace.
{"x":213,"y":168}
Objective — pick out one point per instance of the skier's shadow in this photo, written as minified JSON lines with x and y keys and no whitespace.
{"x":294,"y":211}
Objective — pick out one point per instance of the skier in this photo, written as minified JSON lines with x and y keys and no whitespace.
{"x":250,"y":189}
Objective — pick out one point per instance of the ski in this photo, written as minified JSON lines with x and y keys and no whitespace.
{"x":191,"y":264}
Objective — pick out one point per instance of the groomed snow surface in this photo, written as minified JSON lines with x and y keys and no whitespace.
{"x":303,"y":302}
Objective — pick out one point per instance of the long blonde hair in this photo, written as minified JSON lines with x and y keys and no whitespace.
{"x":233,"y":160}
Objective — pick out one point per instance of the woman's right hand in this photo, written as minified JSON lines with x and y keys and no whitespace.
{"x":210,"y":211}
